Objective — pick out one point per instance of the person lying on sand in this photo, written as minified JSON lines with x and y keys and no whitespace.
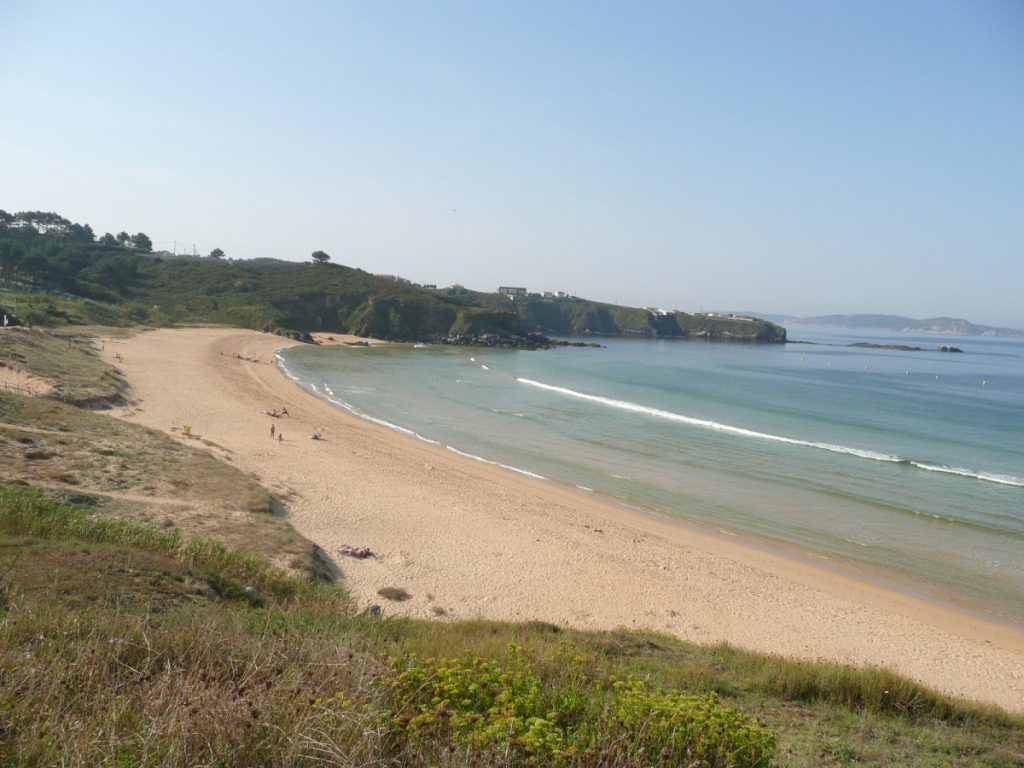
{"x":316,"y":436}
{"x":273,"y":412}
{"x":358,"y":552}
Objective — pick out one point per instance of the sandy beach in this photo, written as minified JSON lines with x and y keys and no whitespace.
{"x":466,"y":539}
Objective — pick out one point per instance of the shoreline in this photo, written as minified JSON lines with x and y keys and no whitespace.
{"x":878,"y":577}
{"x":469,"y":539}
{"x":853,"y":570}
{"x":882,"y":576}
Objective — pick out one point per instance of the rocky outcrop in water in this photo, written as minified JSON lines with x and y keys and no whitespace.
{"x":902,"y":347}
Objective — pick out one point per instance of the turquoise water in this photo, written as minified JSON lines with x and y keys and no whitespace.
{"x":905,"y":464}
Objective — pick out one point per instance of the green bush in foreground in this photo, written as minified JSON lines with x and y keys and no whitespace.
{"x":506,"y":709}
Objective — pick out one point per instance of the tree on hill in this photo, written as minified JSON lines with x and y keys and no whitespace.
{"x":108,"y":239}
{"x":141,"y":242}
{"x":319,"y":257}
{"x":124,"y":238}
{"x":216,"y":253}
{"x":82,"y":233}
{"x":44,"y":222}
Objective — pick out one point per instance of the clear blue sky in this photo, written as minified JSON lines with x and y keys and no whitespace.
{"x":797,"y":157}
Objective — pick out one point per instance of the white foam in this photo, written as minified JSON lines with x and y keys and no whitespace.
{"x":473,"y":456}
{"x":728,"y":429}
{"x":989,"y":476}
{"x":396,"y":427}
{"x":710,"y":425}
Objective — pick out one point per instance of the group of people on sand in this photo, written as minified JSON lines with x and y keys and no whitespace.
{"x":240,"y":357}
{"x":275,"y":432}
{"x":273,"y":429}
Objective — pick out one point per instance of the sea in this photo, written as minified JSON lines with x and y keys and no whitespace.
{"x":906,"y":467}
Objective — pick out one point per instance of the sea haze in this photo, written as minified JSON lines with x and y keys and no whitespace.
{"x":908,"y":465}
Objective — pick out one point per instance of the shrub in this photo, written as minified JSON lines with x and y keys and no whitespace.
{"x":683,"y":730}
{"x":507,"y":709}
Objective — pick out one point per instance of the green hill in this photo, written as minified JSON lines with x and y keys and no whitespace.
{"x":573,"y":316}
{"x":118,"y":280}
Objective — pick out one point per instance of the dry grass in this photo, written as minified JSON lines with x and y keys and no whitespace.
{"x":66,"y":358}
{"x":141,"y":662}
{"x":123,"y":469}
{"x":131,"y":472}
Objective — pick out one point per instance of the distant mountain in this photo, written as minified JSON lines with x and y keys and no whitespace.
{"x":950,"y":326}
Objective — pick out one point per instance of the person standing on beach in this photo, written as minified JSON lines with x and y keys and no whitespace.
{"x":280,"y":437}
{"x":271,"y":431}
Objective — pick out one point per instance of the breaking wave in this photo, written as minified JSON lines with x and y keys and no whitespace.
{"x":728,"y":429}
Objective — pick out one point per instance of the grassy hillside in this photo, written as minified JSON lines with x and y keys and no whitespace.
{"x":571,"y":316}
{"x":306,"y":297}
{"x":54,"y":272}
{"x":53,"y":309}
{"x":104,"y":281}
{"x":66,"y":358}
{"x":125,"y":471}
